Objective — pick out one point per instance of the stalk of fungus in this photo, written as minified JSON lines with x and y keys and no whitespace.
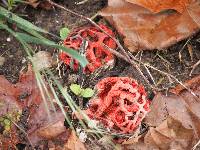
{"x":96,"y":54}
{"x":120,"y":104}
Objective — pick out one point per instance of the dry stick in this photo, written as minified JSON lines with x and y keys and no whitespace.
{"x":134,"y":63}
{"x":116,"y":41}
{"x":173,"y":77}
{"x":194,"y":67}
{"x":149,"y":66}
{"x":24,"y":133}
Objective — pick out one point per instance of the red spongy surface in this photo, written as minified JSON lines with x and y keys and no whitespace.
{"x":120,"y":104}
{"x":96,"y":54}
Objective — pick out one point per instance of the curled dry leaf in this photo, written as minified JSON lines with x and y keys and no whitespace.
{"x":170,"y":134}
{"x":53,"y":129}
{"x":74,"y":143}
{"x":160,"y":5}
{"x":144,"y":30}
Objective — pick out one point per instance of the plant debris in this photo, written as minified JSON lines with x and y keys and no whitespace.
{"x":157,"y":6}
{"x":42,"y":60}
{"x":144,"y":30}
{"x":74,"y":143}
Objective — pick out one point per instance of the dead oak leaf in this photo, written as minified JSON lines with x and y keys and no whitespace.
{"x":160,"y":5}
{"x":184,"y":109}
{"x":74,"y":143}
{"x":144,"y":30}
{"x":170,"y":134}
{"x":193,"y":83}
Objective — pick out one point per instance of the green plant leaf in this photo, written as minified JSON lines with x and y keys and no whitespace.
{"x":12,"y":17}
{"x":76,"y":89}
{"x":64,"y":32}
{"x":88,"y":92}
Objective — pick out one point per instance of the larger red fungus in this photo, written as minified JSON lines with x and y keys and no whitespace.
{"x":95,"y":52}
{"x":120,"y":104}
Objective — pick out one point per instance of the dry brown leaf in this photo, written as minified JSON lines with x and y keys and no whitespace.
{"x":26,"y":94}
{"x":140,"y":146}
{"x":74,"y":143}
{"x":143,"y":30}
{"x":193,"y":83}
{"x":184,"y":109}
{"x":40,"y":3}
{"x":160,"y":5}
{"x":53,"y":128}
{"x":169,"y":135}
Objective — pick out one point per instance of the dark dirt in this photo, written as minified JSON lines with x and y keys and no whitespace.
{"x":52,"y":20}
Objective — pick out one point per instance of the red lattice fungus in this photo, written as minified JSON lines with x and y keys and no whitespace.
{"x":120,"y":104}
{"x":95,"y":52}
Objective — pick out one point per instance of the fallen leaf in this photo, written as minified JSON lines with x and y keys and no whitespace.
{"x":74,"y":143}
{"x":44,"y":121}
{"x":144,"y":30}
{"x":160,"y":5}
{"x":183,"y":108}
{"x":140,"y":146}
{"x":52,"y":130}
{"x":170,"y":134}
{"x":193,"y":83}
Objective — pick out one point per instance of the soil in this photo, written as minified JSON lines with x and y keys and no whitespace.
{"x":52,"y":20}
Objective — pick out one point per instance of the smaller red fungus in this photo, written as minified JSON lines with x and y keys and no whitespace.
{"x":95,"y":52}
{"x":120,"y":104}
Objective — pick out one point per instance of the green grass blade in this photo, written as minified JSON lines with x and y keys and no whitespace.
{"x":12,"y":17}
{"x":31,"y":39}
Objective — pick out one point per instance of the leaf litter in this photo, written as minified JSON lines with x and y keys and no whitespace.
{"x":26,"y":95}
{"x":145,"y":30}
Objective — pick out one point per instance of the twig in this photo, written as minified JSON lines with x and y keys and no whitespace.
{"x":24,"y":133}
{"x":194,"y":67}
{"x":135,"y":64}
{"x":82,"y":2}
{"x":148,"y":71}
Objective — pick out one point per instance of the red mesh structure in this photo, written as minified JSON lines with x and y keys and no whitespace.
{"x":120,"y":104}
{"x":95,"y":52}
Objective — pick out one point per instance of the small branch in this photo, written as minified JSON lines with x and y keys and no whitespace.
{"x":194,"y":67}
